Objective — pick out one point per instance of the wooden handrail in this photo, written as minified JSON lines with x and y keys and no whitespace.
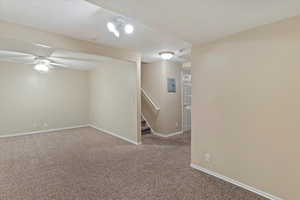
{"x":149,"y":99}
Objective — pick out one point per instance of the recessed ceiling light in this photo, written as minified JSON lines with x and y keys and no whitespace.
{"x":129,"y":29}
{"x":166,"y":55}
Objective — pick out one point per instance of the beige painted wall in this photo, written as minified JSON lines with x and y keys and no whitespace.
{"x":113,"y":100}
{"x":154,"y":82}
{"x":105,"y":97}
{"x":245,"y":110}
{"x":31,"y":101}
{"x":68,"y":117}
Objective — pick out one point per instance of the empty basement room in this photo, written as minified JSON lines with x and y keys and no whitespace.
{"x":149,"y":100}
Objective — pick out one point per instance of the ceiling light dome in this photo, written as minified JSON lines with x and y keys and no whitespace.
{"x":128,"y":29}
{"x":113,"y":29}
{"x":42,"y":66}
{"x":111,"y":26}
{"x":166,"y":55}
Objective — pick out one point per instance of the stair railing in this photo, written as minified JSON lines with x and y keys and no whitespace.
{"x":149,"y":100}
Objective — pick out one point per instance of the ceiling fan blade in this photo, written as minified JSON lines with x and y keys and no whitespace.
{"x":72,"y":64}
{"x":16,"y":57}
{"x":18,"y":61}
{"x":59,"y":65}
{"x":4,"y":53}
{"x":70,"y":59}
{"x":76,"y":64}
{"x":40,"y":50}
{"x":79,"y":56}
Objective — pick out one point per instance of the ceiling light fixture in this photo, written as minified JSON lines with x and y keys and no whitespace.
{"x":111,"y":26}
{"x":118,"y":25}
{"x":128,"y":29}
{"x":166,"y":55}
{"x":42,"y":66}
{"x":116,"y":33}
{"x":113,"y":29}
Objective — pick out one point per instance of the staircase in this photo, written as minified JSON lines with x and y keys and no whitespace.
{"x":145,"y":127}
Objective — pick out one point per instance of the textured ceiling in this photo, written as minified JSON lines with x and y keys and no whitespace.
{"x":200,"y":21}
{"x":86,"y":21}
{"x":159,"y":23}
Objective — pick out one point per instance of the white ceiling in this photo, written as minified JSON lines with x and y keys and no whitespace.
{"x":83,"y":20}
{"x":195,"y":21}
{"x":199,"y":21}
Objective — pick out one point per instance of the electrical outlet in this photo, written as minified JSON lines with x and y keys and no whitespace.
{"x":207,"y":157}
{"x":45,"y":124}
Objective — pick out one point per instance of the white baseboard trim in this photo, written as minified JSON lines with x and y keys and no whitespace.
{"x":165,"y":135}
{"x":168,"y":134}
{"x":113,"y":134}
{"x":227,"y":179}
{"x":67,"y":128}
{"x":42,"y":131}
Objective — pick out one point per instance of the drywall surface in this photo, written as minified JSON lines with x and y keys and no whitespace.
{"x":60,"y":86}
{"x":32,"y":101}
{"x":245,"y":112}
{"x":113,"y":98}
{"x":154,"y":82}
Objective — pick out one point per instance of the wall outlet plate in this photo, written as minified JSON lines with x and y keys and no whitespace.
{"x":207,"y":157}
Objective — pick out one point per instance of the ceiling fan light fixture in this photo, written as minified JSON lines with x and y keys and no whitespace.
{"x":42,"y":66}
{"x":166,"y":55}
{"x":129,"y":29}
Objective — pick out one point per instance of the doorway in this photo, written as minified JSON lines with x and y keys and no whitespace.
{"x":186,"y":99}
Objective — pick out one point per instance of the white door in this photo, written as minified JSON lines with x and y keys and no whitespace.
{"x":186,"y":100}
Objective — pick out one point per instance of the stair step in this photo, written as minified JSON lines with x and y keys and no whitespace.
{"x":146,"y":129}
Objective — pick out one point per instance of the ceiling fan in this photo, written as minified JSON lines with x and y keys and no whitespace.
{"x":44,"y":58}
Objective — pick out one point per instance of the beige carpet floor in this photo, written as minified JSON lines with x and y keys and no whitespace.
{"x":84,"y":164}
